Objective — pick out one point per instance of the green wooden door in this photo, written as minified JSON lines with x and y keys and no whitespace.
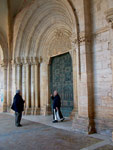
{"x":61,"y":79}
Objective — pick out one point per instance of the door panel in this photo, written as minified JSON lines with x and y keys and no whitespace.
{"x":61,"y":79}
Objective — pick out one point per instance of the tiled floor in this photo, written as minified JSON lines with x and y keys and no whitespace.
{"x":41,"y":134}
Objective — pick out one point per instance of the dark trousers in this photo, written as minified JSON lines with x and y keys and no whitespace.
{"x":18,"y":116}
{"x":60,"y":114}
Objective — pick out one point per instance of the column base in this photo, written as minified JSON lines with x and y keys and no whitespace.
{"x":46,"y":110}
{"x":37,"y":111}
{"x":84,"y":125}
{"x":32,"y":111}
{"x":9,"y":110}
{"x":72,"y":116}
{"x":27,"y":111}
{"x":4,"y":108}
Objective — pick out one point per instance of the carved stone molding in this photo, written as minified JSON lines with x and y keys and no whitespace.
{"x":74,"y":41}
{"x":109,"y":17}
{"x":84,"y":38}
{"x":59,"y":34}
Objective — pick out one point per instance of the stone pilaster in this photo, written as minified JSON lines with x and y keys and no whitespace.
{"x":109,"y":19}
{"x":75,"y":64}
{"x":75,"y":82}
{"x":84,"y":120}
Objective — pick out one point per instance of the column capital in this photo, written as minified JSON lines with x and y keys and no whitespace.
{"x":46,"y":61}
{"x":14,"y":63}
{"x":109,"y":17}
{"x":18,"y":61}
{"x":40,"y":59}
{"x":84,"y":38}
{"x":4,"y":63}
{"x":27,"y":61}
{"x":34,"y":61}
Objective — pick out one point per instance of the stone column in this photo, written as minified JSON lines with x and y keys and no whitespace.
{"x":37,"y":90}
{"x":32,"y":86}
{"x":9,"y":85}
{"x":28,"y":86}
{"x":19,"y":73}
{"x":5,"y":87}
{"x":44,"y":89}
{"x":14,"y":78}
{"x":24,"y":80}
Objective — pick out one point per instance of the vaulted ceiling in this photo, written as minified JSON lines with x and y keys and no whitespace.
{"x":8,"y":11}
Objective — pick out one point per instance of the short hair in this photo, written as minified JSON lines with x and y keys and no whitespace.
{"x":17,"y":91}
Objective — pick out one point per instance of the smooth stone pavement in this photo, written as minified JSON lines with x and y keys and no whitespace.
{"x":38,"y":136}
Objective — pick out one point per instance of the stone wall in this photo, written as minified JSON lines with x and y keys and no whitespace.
{"x":102,"y":55}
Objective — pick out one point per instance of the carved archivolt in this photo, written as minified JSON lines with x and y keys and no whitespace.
{"x":60,"y":43}
{"x":38,"y":31}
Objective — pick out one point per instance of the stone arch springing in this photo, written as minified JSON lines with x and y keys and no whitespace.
{"x":4,"y":47}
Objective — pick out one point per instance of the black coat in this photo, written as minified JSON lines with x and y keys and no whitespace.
{"x":56,"y":101}
{"x":18,"y":103}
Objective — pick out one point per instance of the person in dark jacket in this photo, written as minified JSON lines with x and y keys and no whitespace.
{"x":56,"y":106}
{"x":18,"y":107}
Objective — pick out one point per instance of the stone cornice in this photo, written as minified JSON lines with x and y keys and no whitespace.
{"x":101,"y":30}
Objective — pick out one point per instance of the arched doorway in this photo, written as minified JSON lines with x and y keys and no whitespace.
{"x":61,"y":79}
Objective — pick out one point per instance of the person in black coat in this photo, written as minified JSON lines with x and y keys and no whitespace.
{"x":56,"y":106}
{"x":18,"y":107}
